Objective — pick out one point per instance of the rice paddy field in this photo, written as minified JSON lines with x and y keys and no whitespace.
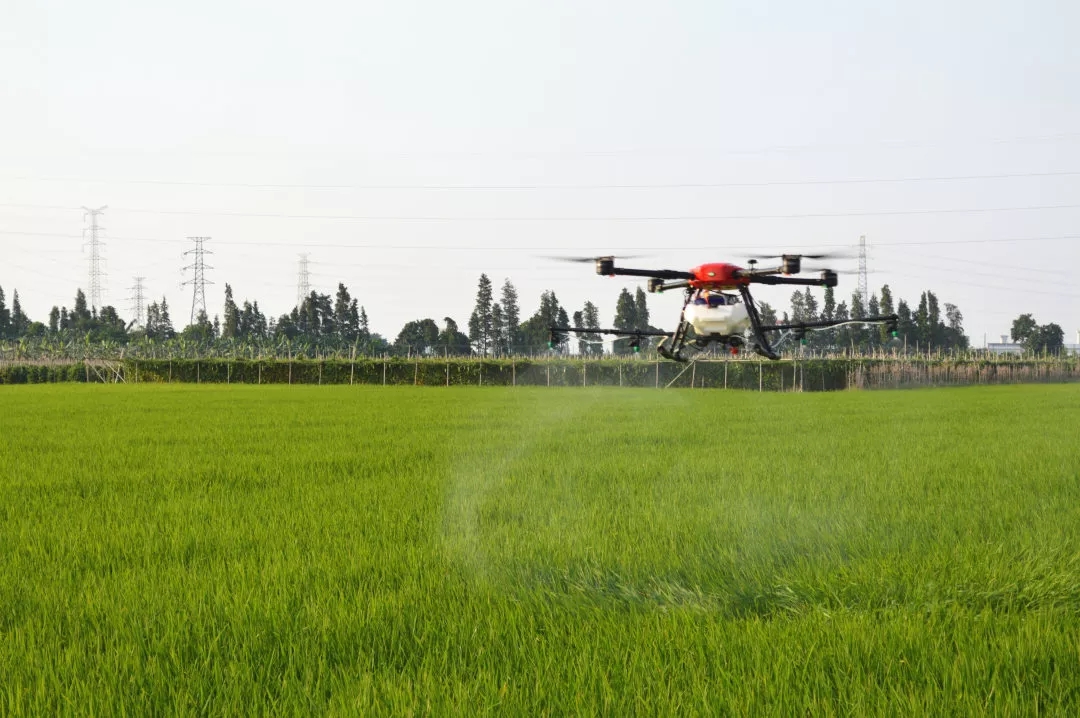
{"x":224,"y":550}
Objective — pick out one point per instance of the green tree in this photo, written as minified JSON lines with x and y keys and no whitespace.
{"x":842,"y":338}
{"x":583,"y":339}
{"x":857,"y":334}
{"x":1023,"y":327}
{"x":346,"y":316}
{"x":933,"y":319}
{"x":641,"y":309}
{"x":885,"y":306}
{"x":252,"y":322}
{"x":480,"y":319}
{"x":5,"y":317}
{"x":590,"y":319}
{"x":625,"y":318}
{"x":536,"y":329}
{"x":158,"y":323}
{"x":1046,"y":339}
{"x":810,"y":306}
{"x":906,"y":328}
{"x":451,"y":341}
{"x":499,"y":340}
{"x":954,"y":330}
{"x":798,"y":307}
{"x":230,"y":327}
{"x":828,"y":307}
{"x":81,"y":313}
{"x":922,"y":323}
{"x":873,"y":309}
{"x":202,"y":330}
{"x":19,"y":321}
{"x":418,"y":337}
{"x":766,"y":313}
{"x":365,"y":329}
{"x":511,"y":312}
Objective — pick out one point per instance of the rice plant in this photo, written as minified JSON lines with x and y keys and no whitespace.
{"x":212,"y":549}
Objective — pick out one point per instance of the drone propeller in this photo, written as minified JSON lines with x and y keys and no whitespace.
{"x":816,"y":255}
{"x":584,"y":260}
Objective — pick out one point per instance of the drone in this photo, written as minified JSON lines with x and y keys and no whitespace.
{"x":713,"y":314}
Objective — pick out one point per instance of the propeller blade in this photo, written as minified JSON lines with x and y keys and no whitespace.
{"x":815,"y":255}
{"x":593,"y":259}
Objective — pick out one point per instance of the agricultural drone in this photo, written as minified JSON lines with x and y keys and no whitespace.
{"x":713,"y":314}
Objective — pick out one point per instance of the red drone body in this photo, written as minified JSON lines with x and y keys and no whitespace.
{"x":718,"y":275}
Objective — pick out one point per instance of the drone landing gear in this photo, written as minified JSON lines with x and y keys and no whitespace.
{"x":678,"y":342}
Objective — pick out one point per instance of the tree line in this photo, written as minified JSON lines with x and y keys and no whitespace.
{"x":496,"y":327}
{"x":926,"y":327}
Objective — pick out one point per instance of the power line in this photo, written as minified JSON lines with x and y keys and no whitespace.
{"x":901,"y":144}
{"x":97,"y":271}
{"x":545,"y":187}
{"x":549,"y":248}
{"x":199,"y":281}
{"x":557,"y":218}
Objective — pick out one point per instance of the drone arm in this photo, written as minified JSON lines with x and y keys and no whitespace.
{"x":827,"y":279}
{"x":617,"y":332}
{"x":659,"y":285}
{"x":889,"y":319}
{"x":654,"y":273}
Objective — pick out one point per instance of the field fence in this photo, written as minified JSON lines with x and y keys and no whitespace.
{"x":829,"y":374}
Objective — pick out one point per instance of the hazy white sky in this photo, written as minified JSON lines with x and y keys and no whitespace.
{"x":410,"y":146}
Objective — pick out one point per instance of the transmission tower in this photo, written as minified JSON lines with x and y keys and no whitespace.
{"x":138,"y":303}
{"x":198,"y":279}
{"x":303,"y":281}
{"x":863,"y":285}
{"x":92,"y":238}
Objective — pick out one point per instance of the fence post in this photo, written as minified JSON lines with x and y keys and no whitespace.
{"x":416,"y":372}
{"x":620,"y":373}
{"x":725,"y":372}
{"x":198,"y":373}
{"x":693,"y":375}
{"x":260,"y":374}
{"x":384,"y":370}
{"x":547,"y":370}
{"x":759,"y":375}
{"x":513,"y":372}
{"x":657,"y":384}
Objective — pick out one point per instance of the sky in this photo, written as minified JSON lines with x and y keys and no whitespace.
{"x":408,"y":147}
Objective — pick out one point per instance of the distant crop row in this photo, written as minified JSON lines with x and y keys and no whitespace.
{"x":817,"y":374}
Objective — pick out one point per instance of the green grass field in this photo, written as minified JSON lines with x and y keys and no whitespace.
{"x":361,"y":550}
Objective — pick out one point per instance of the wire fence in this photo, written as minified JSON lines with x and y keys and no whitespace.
{"x":795,"y":374}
